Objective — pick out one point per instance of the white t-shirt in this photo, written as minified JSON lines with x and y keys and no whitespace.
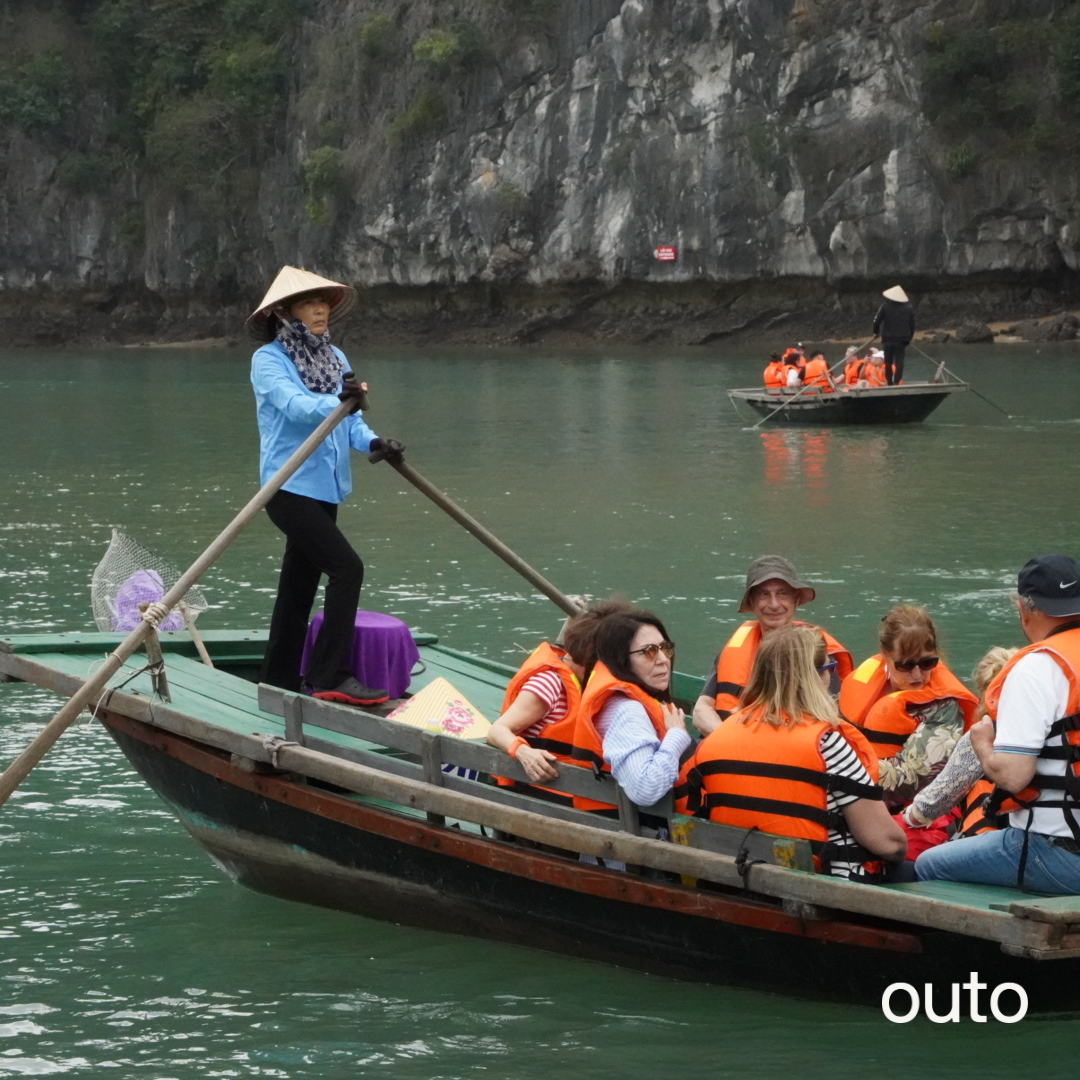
{"x":1034,"y":695}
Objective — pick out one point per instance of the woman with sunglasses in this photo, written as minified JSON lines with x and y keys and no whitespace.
{"x":627,"y":723}
{"x":785,"y":763}
{"x":908,"y":704}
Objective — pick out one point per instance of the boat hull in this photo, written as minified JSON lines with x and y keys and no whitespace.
{"x":873,"y":405}
{"x":304,"y":843}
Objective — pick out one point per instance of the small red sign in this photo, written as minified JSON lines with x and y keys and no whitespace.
{"x":665,"y":253}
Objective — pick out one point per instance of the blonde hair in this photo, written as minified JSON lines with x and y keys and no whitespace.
{"x":784,"y":687}
{"x":985,"y":670}
{"x":906,"y":631}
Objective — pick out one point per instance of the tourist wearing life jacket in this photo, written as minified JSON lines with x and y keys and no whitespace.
{"x":627,"y":724}
{"x":773,"y":592}
{"x":785,"y":763}
{"x":545,"y":690}
{"x":774,"y":373}
{"x":961,"y":784}
{"x":817,"y":374}
{"x":908,"y":704}
{"x":794,"y":360}
{"x":1033,"y":750}
{"x":874,"y":371}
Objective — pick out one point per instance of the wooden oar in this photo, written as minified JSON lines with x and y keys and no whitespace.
{"x":486,"y":538}
{"x":20,"y":768}
{"x":795,"y":397}
{"x":1008,"y":416}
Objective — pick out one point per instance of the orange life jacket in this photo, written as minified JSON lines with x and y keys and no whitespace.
{"x":544,"y":657}
{"x":774,"y":373}
{"x":875,"y":374}
{"x":753,"y":774}
{"x":817,"y":374}
{"x":737,"y":658}
{"x":857,"y":368}
{"x":791,"y":356}
{"x":883,"y":716}
{"x":1058,"y":792}
{"x":575,"y":740}
{"x":975,"y":812}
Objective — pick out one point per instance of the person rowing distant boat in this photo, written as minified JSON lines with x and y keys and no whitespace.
{"x":895,"y":322}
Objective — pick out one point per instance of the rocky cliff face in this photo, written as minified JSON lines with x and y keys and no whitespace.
{"x":782,"y":147}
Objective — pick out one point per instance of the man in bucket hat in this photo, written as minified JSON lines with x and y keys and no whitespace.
{"x":298,"y":378}
{"x":773,"y":592}
{"x":1029,"y":746}
{"x":895,"y":322}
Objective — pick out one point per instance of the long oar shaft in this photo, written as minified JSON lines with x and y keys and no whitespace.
{"x":20,"y":768}
{"x":487,"y":539}
{"x":1008,"y":416}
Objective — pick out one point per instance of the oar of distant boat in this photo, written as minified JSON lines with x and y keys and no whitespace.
{"x":1008,"y":416}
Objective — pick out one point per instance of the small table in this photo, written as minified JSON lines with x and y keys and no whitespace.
{"x":383,"y":651}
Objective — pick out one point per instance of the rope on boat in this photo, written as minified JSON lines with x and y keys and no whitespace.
{"x":272,"y":744}
{"x":743,"y":862}
{"x":155,"y":614}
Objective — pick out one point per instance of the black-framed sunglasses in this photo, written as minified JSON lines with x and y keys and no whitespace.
{"x":924,"y":663}
{"x":650,"y":651}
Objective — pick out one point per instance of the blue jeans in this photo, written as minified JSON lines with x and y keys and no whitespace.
{"x":993,"y":858}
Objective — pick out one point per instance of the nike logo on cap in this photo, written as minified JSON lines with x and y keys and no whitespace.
{"x":1065,"y":584}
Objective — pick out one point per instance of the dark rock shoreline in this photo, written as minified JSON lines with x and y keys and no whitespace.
{"x":578,"y":314}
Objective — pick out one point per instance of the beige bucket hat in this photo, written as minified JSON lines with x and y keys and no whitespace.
{"x":290,"y":282}
{"x":897,"y":294}
{"x":769,"y":567}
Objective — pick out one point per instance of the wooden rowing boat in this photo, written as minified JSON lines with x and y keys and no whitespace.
{"x":905,"y":404}
{"x":328,"y":805}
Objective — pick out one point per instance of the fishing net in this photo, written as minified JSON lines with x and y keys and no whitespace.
{"x":128,"y":575}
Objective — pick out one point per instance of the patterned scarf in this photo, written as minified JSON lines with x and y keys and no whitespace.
{"x":319,"y":367}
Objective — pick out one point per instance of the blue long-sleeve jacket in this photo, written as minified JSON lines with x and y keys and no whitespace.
{"x":287,"y":413}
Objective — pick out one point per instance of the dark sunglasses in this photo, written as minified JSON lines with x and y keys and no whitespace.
{"x":926,"y":663}
{"x":830,"y":666}
{"x":650,"y":651}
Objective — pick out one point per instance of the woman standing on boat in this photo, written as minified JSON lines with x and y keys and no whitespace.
{"x":908,"y":704}
{"x":895,"y":322}
{"x":546,"y":690}
{"x":298,"y":378}
{"x":786,"y":764}
{"x":627,"y":723}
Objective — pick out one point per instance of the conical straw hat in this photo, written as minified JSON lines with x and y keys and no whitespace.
{"x":292,"y":281}
{"x":440,"y":707}
{"x":895,"y":293}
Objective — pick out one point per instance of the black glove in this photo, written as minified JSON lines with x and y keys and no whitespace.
{"x":351,"y":390}
{"x":386,"y":449}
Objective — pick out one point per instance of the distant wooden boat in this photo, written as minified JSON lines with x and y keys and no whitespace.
{"x":905,"y":404}
{"x":328,"y":805}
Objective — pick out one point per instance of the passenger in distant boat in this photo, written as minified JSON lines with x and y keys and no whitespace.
{"x":794,"y":366}
{"x":817,"y":373}
{"x":852,"y":366}
{"x":1032,"y":752}
{"x":627,"y":723}
{"x":895,"y":322}
{"x":742,"y":774}
{"x":908,"y":704}
{"x":547,"y":689}
{"x":298,"y":378}
{"x":773,"y":592}
{"x":774,"y":372}
{"x":960,"y":785}
{"x":861,"y":371}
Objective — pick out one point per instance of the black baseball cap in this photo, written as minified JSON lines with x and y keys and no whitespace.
{"x":1052,"y":582}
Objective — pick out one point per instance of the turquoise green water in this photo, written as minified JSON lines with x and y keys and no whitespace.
{"x":126,"y":953}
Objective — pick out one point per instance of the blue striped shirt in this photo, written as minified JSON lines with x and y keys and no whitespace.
{"x":645,"y":767}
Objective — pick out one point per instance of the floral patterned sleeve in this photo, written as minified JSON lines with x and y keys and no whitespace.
{"x":923,"y":756}
{"x":951,"y":784}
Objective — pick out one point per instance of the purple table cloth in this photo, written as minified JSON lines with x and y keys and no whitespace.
{"x":383,"y":652}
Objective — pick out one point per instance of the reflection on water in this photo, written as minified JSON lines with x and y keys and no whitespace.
{"x":126,"y":953}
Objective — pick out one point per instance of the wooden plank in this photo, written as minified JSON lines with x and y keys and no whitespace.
{"x":1052,"y":909}
{"x":724,"y":840}
{"x":346,"y":720}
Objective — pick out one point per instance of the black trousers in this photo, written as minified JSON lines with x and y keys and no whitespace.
{"x":314,"y":546}
{"x":894,"y":360}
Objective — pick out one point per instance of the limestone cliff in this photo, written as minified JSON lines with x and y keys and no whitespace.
{"x":498,"y":159}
